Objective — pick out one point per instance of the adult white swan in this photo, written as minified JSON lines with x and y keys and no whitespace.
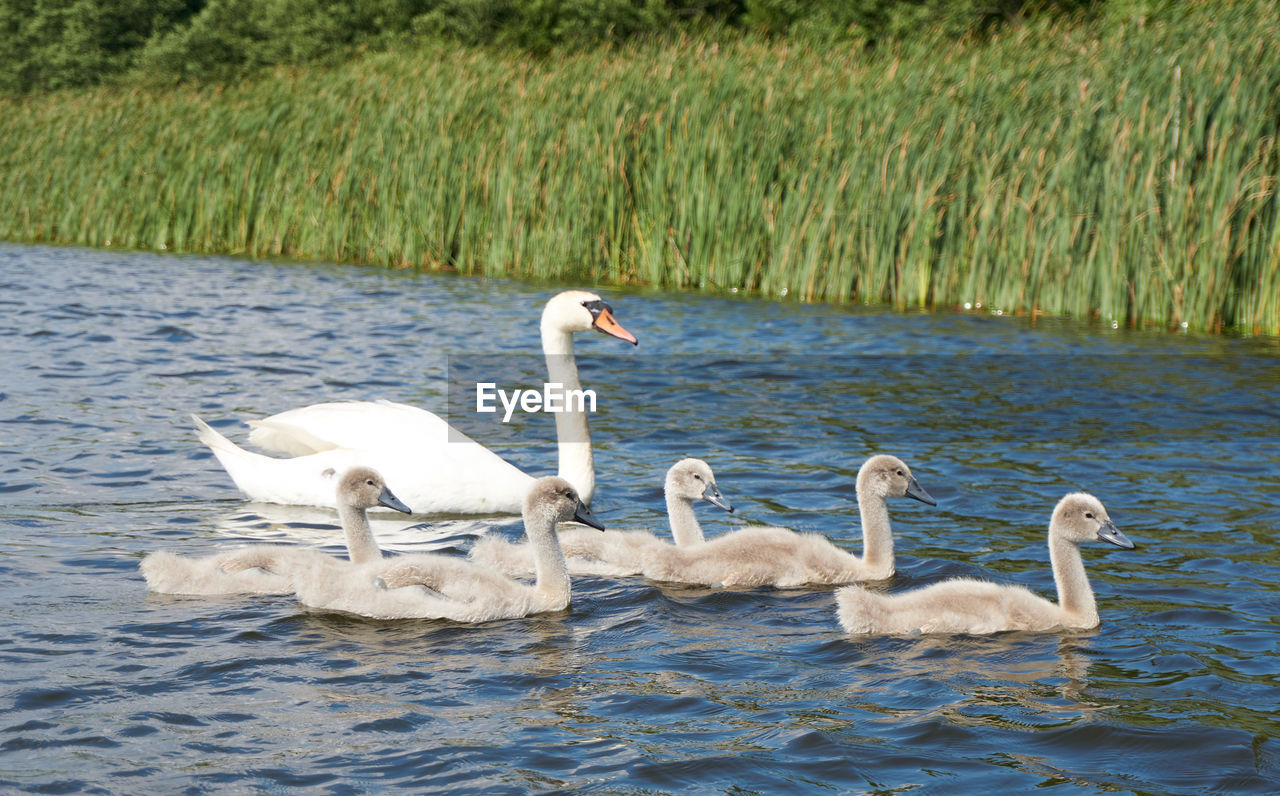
{"x":268,"y":568}
{"x":616,"y":553}
{"x":974,"y":606}
{"x":431,"y":466}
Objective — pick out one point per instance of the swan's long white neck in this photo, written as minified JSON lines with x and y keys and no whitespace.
{"x":877,"y":536}
{"x":573,"y":438}
{"x":550,"y":570}
{"x":361,"y":546}
{"x":1075,"y":595}
{"x":685,"y":529}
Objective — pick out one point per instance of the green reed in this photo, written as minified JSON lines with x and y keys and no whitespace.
{"x":1129,"y":175}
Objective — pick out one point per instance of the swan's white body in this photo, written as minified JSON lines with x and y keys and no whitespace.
{"x":475,"y":480}
{"x":766,"y":556}
{"x":616,"y":553}
{"x":269,"y":569}
{"x":433,"y":467}
{"x":434,"y":586}
{"x":979,"y":607}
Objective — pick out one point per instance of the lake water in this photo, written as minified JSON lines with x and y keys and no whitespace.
{"x":640,"y":687}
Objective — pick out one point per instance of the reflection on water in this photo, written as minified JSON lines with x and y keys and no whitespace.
{"x":1008,"y":681}
{"x":319,"y":527}
{"x":638,"y":687}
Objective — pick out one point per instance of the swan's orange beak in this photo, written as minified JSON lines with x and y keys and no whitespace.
{"x":604,"y":322}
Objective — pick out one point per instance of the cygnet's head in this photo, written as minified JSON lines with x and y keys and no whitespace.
{"x":363,"y":488}
{"x":1081,"y":517}
{"x":888,"y":476}
{"x":580,"y":311}
{"x":692,"y":479}
{"x":553,"y":500}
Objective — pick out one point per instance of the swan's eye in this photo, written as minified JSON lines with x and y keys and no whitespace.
{"x":900,"y":472}
{"x":695,"y":475}
{"x":1088,"y":515}
{"x":596,"y":306}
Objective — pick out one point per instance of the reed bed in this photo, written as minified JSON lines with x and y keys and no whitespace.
{"x":1129,"y":175}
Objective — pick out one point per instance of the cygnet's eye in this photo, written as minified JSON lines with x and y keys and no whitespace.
{"x":695,"y":475}
{"x":370,"y":482}
{"x":899,"y":472}
{"x":1088,"y":515}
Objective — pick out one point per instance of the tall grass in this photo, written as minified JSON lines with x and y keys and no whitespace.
{"x":1128,"y":175}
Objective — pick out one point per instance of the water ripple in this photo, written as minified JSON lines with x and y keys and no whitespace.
{"x":639,"y":687}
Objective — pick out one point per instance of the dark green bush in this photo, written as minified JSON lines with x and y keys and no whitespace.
{"x":229,"y":37}
{"x":540,"y":24}
{"x":49,"y":44}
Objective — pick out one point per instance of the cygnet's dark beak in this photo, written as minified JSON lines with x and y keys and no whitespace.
{"x":914,"y":490}
{"x":712,"y":495}
{"x":1110,"y":533}
{"x":583,"y":515}
{"x":392,"y":502}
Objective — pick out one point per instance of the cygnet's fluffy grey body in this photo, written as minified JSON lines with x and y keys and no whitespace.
{"x":766,"y":556}
{"x":616,"y":553}
{"x":436,"y":586}
{"x":979,"y":607}
{"x":269,"y":569}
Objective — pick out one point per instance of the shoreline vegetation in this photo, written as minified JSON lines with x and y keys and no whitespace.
{"x":1125,"y":172}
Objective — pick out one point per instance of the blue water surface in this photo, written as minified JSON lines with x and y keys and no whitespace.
{"x":640,"y":687}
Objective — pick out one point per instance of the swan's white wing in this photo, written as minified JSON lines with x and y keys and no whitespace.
{"x":351,"y":424}
{"x":458,"y":477}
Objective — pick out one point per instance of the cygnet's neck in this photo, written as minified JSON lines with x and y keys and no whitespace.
{"x":573,"y":438}
{"x":877,"y":536}
{"x":1075,"y":595}
{"x":361,"y":546}
{"x":685,"y":529}
{"x":550,"y":570}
